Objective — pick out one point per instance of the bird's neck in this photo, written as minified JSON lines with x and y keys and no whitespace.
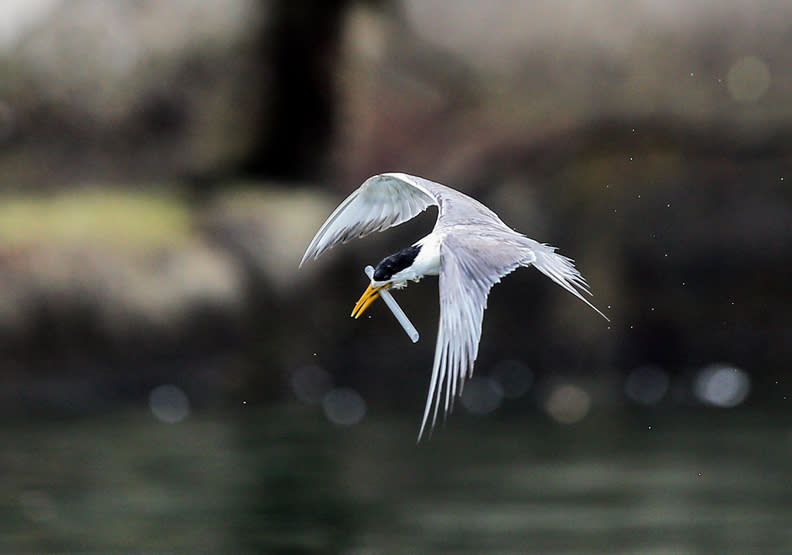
{"x":427,"y":263}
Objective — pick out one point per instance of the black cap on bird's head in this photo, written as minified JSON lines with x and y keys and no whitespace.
{"x":385,"y":270}
{"x":395,"y":263}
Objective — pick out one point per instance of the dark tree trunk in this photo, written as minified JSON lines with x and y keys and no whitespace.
{"x":302,"y":45}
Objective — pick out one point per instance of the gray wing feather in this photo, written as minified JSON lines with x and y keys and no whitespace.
{"x":474,"y":260}
{"x":471,"y":265}
{"x":455,"y":207}
{"x":390,"y":199}
{"x":561,"y":270}
{"x":383,"y":201}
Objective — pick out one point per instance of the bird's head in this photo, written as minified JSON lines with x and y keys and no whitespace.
{"x":393,"y":271}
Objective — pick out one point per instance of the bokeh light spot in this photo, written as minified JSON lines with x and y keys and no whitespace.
{"x":344,"y":406}
{"x":568,"y":404}
{"x":481,"y":396}
{"x":310,"y":383}
{"x":169,"y":403}
{"x":748,"y":79}
{"x":722,"y":385}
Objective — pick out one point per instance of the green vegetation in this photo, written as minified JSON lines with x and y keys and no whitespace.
{"x":108,"y":216}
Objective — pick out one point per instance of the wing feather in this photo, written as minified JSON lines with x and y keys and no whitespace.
{"x":471,"y":265}
{"x":390,"y":199}
{"x":383,"y":201}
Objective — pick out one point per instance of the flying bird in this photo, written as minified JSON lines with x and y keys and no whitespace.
{"x":470,"y":249}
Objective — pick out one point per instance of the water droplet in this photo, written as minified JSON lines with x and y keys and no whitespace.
{"x":691,"y":74}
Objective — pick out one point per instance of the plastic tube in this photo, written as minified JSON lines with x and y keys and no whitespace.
{"x":396,"y":309}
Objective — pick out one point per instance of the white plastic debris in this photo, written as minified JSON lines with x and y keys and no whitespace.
{"x":395,"y":308}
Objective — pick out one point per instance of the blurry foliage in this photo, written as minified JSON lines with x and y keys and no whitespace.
{"x":99,"y":214}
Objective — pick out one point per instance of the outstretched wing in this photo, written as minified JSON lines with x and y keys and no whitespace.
{"x":471,"y":263}
{"x":389,"y":199}
{"x":383,"y":201}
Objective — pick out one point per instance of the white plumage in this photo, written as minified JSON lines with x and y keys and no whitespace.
{"x":470,"y":248}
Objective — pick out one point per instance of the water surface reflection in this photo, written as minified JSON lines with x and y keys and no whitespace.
{"x":287,"y":479}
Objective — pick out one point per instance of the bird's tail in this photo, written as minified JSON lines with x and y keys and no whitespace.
{"x":562,"y":270}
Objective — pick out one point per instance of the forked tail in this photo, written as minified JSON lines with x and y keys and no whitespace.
{"x":562,"y":270}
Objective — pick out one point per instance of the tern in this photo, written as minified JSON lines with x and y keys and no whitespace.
{"x":470,"y":249}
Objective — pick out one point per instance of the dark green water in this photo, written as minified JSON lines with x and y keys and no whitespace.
{"x":285,"y":480}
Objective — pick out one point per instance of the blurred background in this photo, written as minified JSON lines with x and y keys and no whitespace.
{"x":169,"y":381}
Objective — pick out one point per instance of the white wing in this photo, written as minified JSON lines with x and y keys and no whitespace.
{"x":389,"y":199}
{"x":471,"y":265}
{"x":383,"y":201}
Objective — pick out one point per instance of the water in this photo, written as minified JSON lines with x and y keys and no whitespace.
{"x":285,"y":480}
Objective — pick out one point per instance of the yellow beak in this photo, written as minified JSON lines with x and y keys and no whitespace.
{"x":369,"y":296}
